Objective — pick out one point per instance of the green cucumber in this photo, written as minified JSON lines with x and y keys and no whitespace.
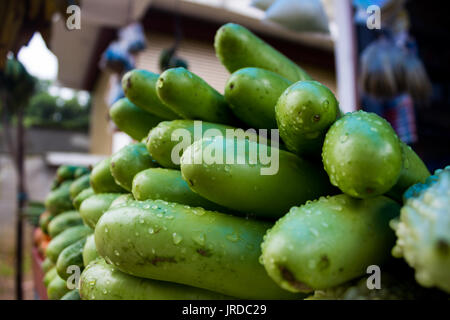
{"x":72,"y":295}
{"x":265,"y":191}
{"x":167,"y":138}
{"x":72,"y":255}
{"x":102,"y":180}
{"x":47,"y":264}
{"x":131,"y":119}
{"x":81,"y":171}
{"x":329,"y":241}
{"x":66,"y":172}
{"x":93,"y":207}
{"x":304,"y":112}
{"x":112,"y":284}
{"x":123,"y":198}
{"x":413,"y":171}
{"x":83,"y":195}
{"x":44,"y":220}
{"x":90,"y":250}
{"x":64,"y":221}
{"x":237,"y":48}
{"x":59,"y":200}
{"x":57,"y":288}
{"x":139,"y":87}
{"x":252,"y":94}
{"x":190,"y":96}
{"x":168,"y":185}
{"x":50,"y":275}
{"x":192,"y":246}
{"x":128,"y":161}
{"x":65,"y":239}
{"x":362,"y":155}
{"x":79,"y":185}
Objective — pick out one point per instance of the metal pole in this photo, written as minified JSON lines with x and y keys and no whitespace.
{"x":21,"y":200}
{"x":346,"y":57}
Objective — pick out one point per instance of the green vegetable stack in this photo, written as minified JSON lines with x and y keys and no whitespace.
{"x":204,"y":209}
{"x":63,"y":225}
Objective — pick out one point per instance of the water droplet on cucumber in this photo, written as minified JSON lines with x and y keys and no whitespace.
{"x":176,"y":238}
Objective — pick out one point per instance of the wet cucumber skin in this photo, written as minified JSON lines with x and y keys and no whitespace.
{"x":168,"y":185}
{"x":362,"y":155}
{"x":252,"y":94}
{"x":243,"y":187}
{"x":160,"y":144}
{"x":192,"y":246}
{"x":304,"y":112}
{"x":330,"y":241}
{"x":122,"y":199}
{"x":112,"y":284}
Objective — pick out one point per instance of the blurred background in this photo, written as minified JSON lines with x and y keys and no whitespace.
{"x":385,"y":56}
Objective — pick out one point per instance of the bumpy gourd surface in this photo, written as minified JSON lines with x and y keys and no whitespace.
{"x":393,"y":287}
{"x":423,"y":232}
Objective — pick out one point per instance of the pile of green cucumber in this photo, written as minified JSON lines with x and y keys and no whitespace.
{"x":156,"y":220}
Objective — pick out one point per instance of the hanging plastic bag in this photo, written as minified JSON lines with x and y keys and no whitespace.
{"x":117,"y":58}
{"x":299,"y":15}
{"x":133,"y":37}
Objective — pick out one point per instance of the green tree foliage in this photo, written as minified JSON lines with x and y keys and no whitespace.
{"x":49,"y":111}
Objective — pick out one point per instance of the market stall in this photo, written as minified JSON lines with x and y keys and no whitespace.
{"x":223,"y":167}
